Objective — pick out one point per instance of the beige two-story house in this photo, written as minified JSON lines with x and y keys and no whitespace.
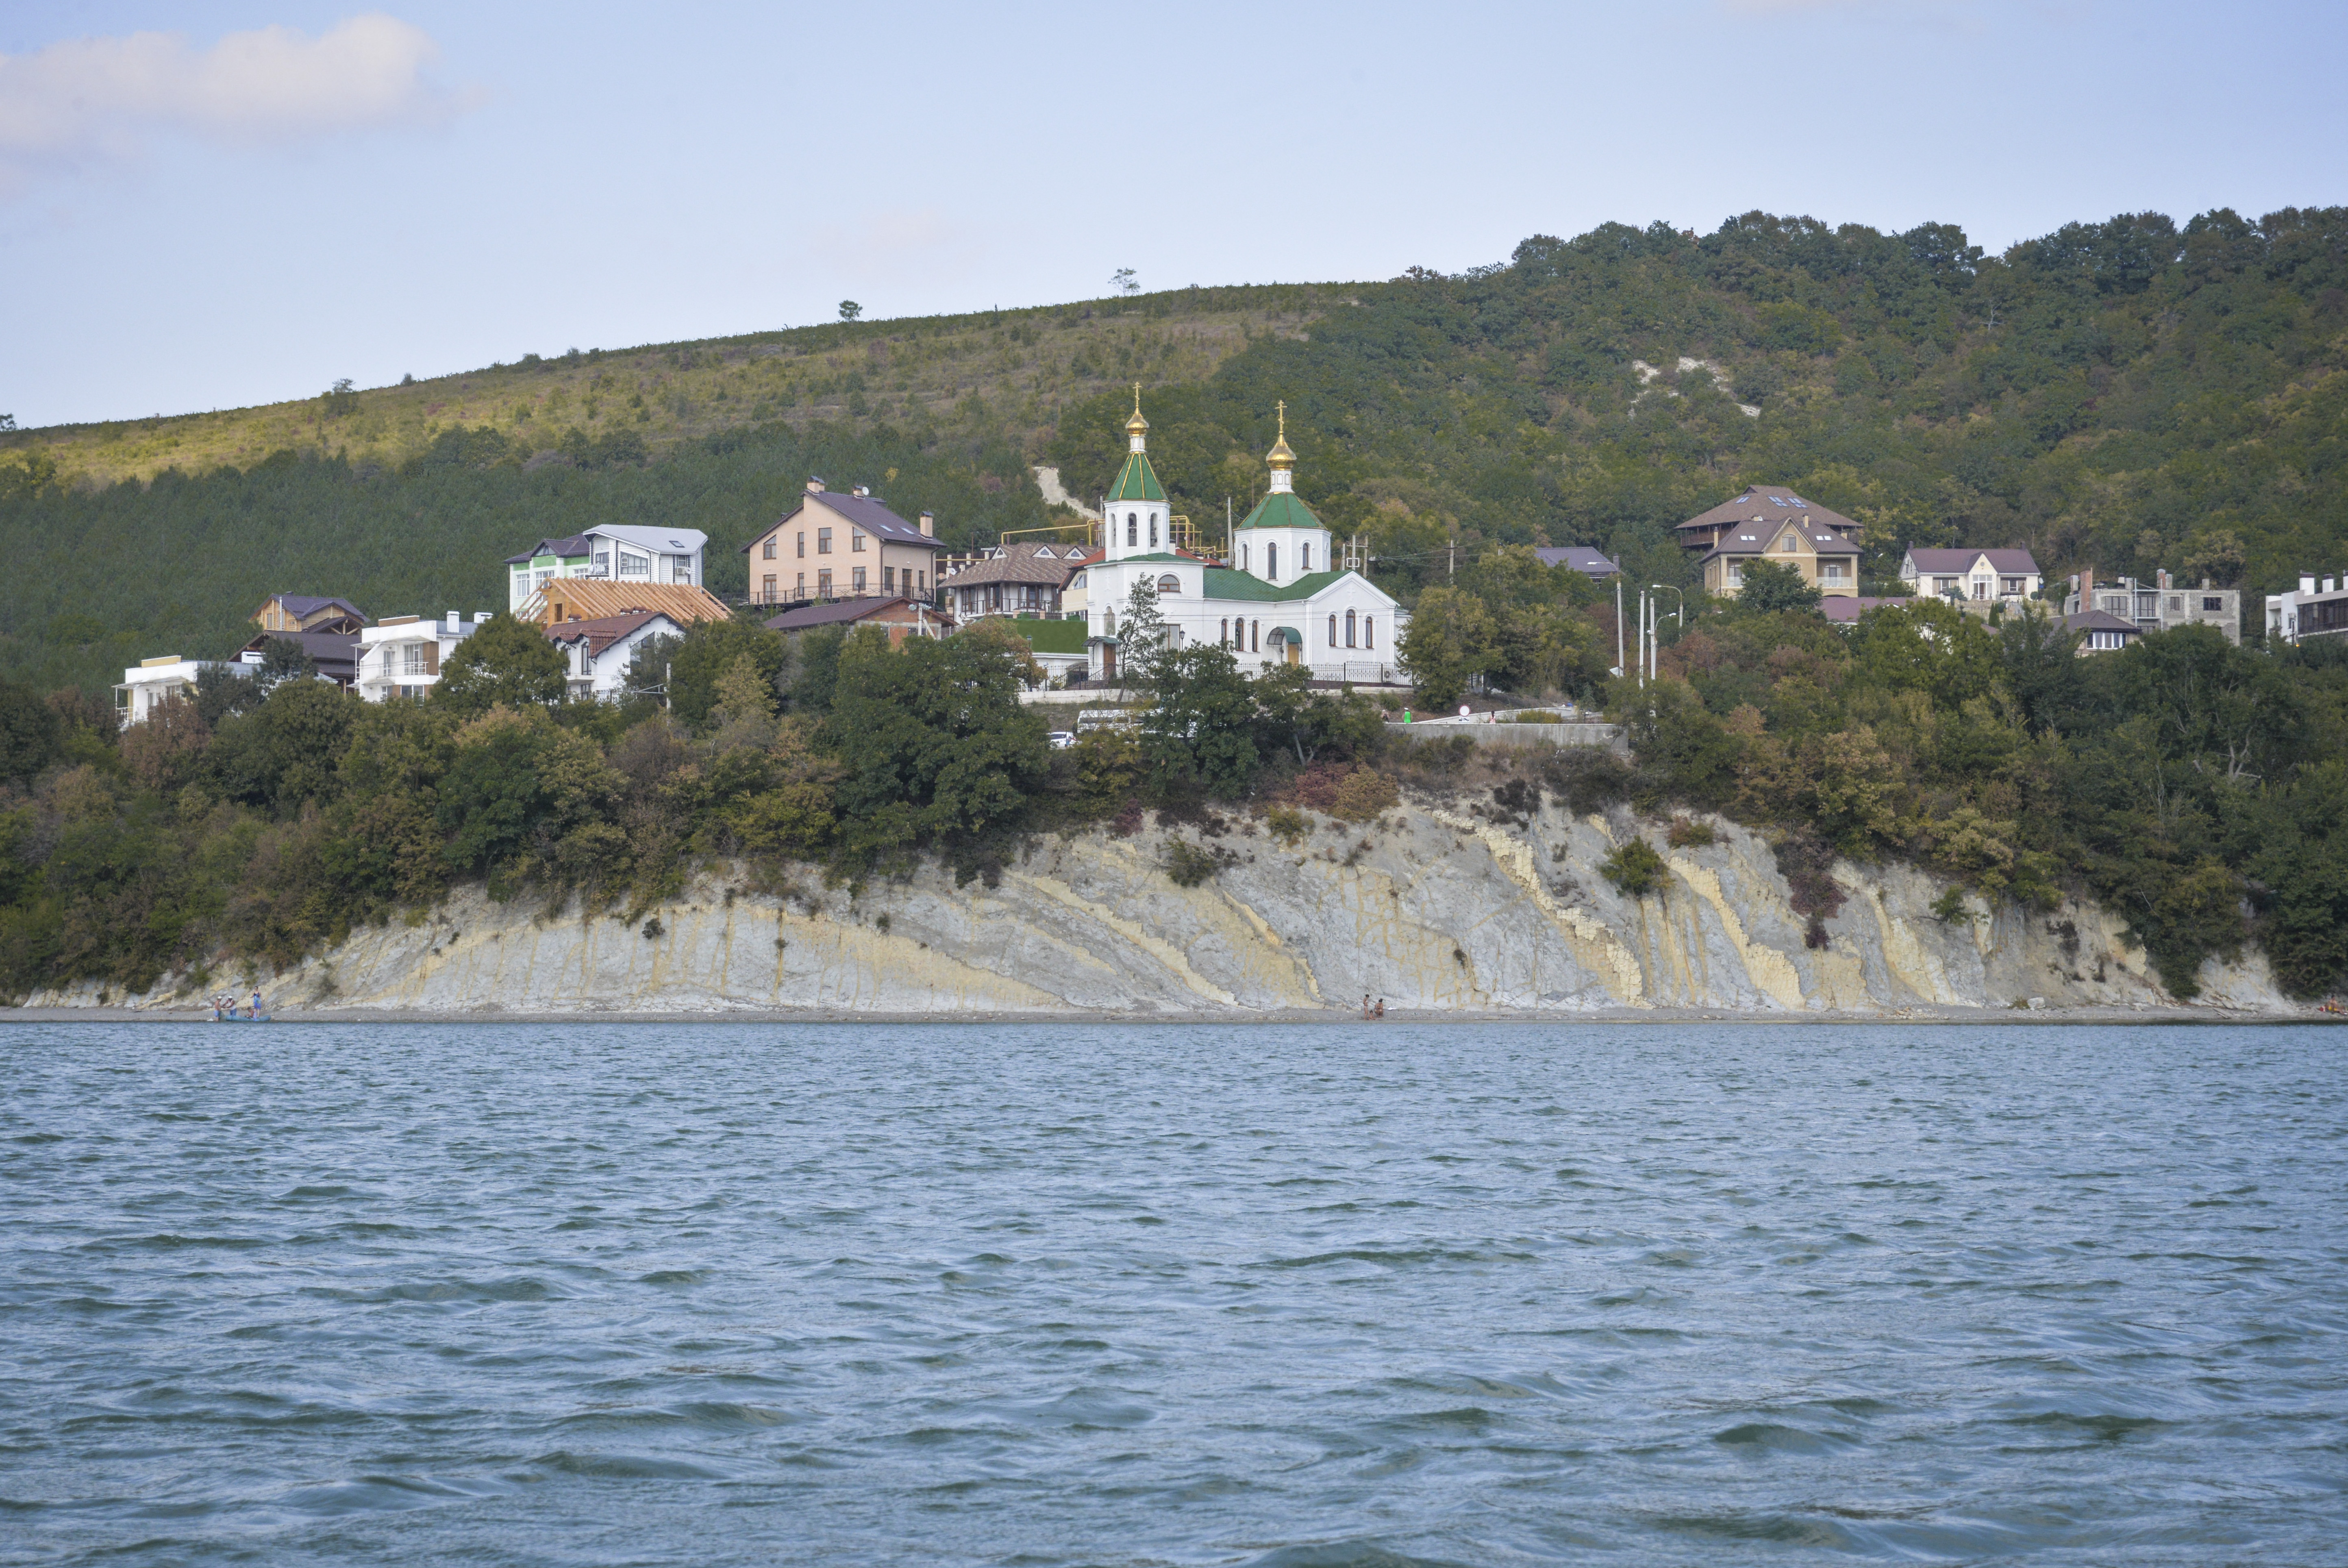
{"x":1771,"y":522}
{"x":836,"y":546}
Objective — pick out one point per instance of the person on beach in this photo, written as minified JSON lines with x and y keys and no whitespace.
{"x":256,"y":1005}
{"x":1382,"y":1008}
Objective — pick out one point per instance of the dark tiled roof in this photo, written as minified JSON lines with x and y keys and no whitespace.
{"x":867,"y":512}
{"x":833,"y":615}
{"x":1773,"y":503}
{"x":1580,"y":558}
{"x":324,"y":647}
{"x":2100,"y":621}
{"x":570,"y":548}
{"x":604,"y":630}
{"x":1752,"y":540}
{"x":1839,"y":609}
{"x":2011,"y":561}
{"x":299,"y":606}
{"x":1019,"y":563}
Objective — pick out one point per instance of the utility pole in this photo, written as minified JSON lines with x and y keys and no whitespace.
{"x":1451,"y":558}
{"x":1621,"y":661}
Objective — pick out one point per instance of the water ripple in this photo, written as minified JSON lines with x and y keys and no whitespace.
{"x":1293,"y":1298}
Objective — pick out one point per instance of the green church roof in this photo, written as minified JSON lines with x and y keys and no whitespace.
{"x":1225,"y":584}
{"x":1282,"y":509}
{"x":1136,"y":481}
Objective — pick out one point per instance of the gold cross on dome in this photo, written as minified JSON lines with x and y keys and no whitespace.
{"x":1283,"y":408}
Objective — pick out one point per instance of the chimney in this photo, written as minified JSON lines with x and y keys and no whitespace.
{"x":2205,"y":585}
{"x":2307,"y":585}
{"x":929,"y":525}
{"x":862,"y":490}
{"x":2161,"y":577}
{"x":814,"y":485}
{"x":454,"y":618}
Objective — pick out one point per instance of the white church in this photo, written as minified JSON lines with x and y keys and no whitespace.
{"x":1282,"y":600}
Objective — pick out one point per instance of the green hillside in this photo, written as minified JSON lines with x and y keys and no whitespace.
{"x":2128,"y":394}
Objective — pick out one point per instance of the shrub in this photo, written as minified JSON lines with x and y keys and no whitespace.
{"x":1287,"y":824}
{"x":1189,"y":864}
{"x":1951,"y":907}
{"x":1363,"y":796}
{"x":1634,"y":868}
{"x":1687,"y":832}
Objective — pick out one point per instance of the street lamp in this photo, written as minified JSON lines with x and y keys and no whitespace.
{"x":1679,"y":617}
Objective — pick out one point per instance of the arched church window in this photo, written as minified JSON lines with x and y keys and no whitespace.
{"x":1272,"y":562}
{"x":1349,"y":628}
{"x":1224,"y":635}
{"x":1368,"y":640}
{"x":1243,"y":557}
{"x":1304,"y":562}
{"x":1132,"y":528}
{"x":1153,"y":531}
{"x":1168,"y":585}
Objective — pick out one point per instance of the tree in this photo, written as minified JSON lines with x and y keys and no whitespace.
{"x":1197,"y":737}
{"x":282,"y":659}
{"x":1141,"y":636}
{"x":31,"y":735}
{"x":707,"y":651}
{"x":1450,"y":640}
{"x":933,"y":742}
{"x":1123,"y":281}
{"x":510,"y":662}
{"x":1770,"y":586}
{"x":849,"y":309}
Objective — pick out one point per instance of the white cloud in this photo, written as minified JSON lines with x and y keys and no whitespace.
{"x":87,"y":100}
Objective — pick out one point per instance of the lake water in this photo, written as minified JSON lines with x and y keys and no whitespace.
{"x":1042,"y":1295}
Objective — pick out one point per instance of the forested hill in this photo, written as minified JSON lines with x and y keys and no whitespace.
{"x":2128,"y":395}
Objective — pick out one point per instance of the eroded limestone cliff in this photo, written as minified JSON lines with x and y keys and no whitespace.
{"x":1442,"y":907}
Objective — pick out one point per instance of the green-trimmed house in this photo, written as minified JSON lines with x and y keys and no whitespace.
{"x":1282,"y":600}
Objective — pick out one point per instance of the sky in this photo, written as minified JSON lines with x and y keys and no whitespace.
{"x":214,"y":203}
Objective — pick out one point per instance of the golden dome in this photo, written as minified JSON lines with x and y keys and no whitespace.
{"x":1137,"y":425}
{"x":1280,"y":457}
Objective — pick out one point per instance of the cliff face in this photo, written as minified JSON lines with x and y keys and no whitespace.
{"x":1439,"y":907}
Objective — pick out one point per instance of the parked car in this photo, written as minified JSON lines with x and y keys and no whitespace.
{"x":1062,"y":740}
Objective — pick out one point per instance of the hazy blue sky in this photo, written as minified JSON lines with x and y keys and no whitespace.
{"x":215,"y":203}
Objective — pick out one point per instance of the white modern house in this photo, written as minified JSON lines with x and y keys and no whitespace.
{"x":1972,"y":579}
{"x":1282,"y":600}
{"x":598,"y":654}
{"x":151,"y":683}
{"x":2314,"y":609}
{"x":620,"y":552}
{"x":402,"y":655}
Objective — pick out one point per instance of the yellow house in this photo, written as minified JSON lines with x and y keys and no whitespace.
{"x":834,"y":547}
{"x":1826,"y":560}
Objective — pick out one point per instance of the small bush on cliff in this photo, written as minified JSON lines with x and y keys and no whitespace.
{"x":1634,"y":868}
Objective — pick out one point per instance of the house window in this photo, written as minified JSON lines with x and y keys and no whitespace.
{"x":925,"y":577}
{"x":823,"y":542}
{"x":1169,"y":586}
{"x":411,"y":661}
{"x":798,"y":589}
{"x":2102,"y":639}
{"x":802,"y":546}
{"x":1368,"y":641}
{"x":545,"y":576}
{"x":1831,"y":571}
{"x":1981,"y":589}
{"x":602,"y":563}
{"x":681,"y":569}
{"x":766,"y":588}
{"x":1787,"y":544}
{"x":1132,"y":529}
{"x":768,"y":553}
{"x":1272,"y":562}
{"x":635,"y":565}
{"x":1349,"y":628}
{"x":2177,"y":605}
{"x":2010,"y":587}
{"x":2213,"y":604}
{"x":855,"y":540}
{"x":823,"y":583}
{"x":887,"y":580}
{"x":856,"y":582}
{"x":1736,"y":575}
